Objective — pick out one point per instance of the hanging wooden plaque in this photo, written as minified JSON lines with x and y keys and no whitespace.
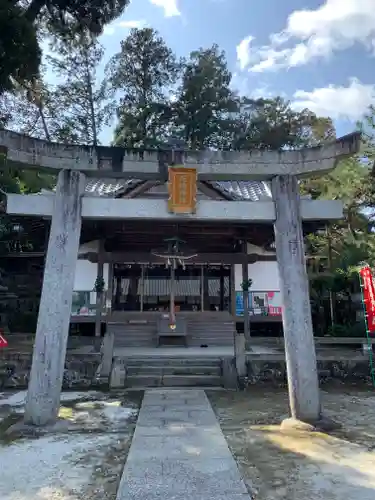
{"x":182,"y":187}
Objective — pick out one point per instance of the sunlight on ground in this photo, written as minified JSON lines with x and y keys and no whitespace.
{"x":47,"y":468}
{"x":352,"y":461}
{"x":282,"y":465}
{"x":66,"y":413}
{"x":85,"y":462}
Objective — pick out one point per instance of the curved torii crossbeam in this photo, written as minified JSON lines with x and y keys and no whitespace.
{"x":118,"y":162}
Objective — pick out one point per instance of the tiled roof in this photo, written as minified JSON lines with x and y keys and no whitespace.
{"x":245,"y":190}
{"x":237,"y":190}
{"x":108,"y":187}
{"x":104,"y":187}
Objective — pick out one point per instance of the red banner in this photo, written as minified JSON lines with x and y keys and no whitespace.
{"x":3,"y":341}
{"x":368,"y":297}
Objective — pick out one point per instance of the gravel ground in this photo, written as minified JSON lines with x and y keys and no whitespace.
{"x":280,"y":465}
{"x":84,"y":461}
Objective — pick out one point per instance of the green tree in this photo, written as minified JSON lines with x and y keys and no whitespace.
{"x":78,"y":106}
{"x":343,"y":246}
{"x":68,"y":15}
{"x":20,"y":54}
{"x":367,"y":155}
{"x":14,"y":237}
{"x":208,"y":113}
{"x":74,"y":110}
{"x":21,"y":21}
{"x":272,"y":124}
{"x":205,"y":107}
{"x":142,"y":74}
{"x":29,"y":109}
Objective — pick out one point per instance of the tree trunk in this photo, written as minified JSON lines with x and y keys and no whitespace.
{"x":91,"y":103}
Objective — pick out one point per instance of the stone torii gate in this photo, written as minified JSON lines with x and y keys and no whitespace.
{"x":69,"y":205}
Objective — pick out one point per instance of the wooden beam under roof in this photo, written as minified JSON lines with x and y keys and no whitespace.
{"x":202,"y":258}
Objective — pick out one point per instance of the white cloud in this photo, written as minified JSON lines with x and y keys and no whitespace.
{"x":311,"y":34}
{"x":133,"y":23}
{"x":338,"y":102}
{"x":243,"y":51}
{"x":170,"y":7}
{"x":109,"y":30}
{"x":241,"y":84}
{"x":136,"y":23}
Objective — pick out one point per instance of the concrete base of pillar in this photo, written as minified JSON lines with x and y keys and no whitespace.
{"x":240,"y":354}
{"x":230,"y":378}
{"x":118,"y":375}
{"x":248,"y":346}
{"x":22,"y":430}
{"x":324,"y":424}
{"x":107,"y":357}
{"x":98,"y":344}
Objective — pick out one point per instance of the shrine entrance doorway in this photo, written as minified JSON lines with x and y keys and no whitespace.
{"x":147,"y":288}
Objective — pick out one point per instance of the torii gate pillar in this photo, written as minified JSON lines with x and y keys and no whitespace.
{"x":47,"y":371}
{"x":304,"y":394}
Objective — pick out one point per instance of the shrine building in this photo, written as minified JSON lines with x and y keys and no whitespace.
{"x":175,"y":242}
{"x":132,"y":210}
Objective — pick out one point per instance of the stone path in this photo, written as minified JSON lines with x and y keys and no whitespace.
{"x":179,"y":452}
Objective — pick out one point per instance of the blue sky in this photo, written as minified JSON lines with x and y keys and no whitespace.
{"x":319,"y":54}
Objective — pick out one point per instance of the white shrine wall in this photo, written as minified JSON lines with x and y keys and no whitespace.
{"x":86,"y":271}
{"x":264,"y":275}
{"x":265,"y":288}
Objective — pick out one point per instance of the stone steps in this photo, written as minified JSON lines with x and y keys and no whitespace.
{"x":211,"y":333}
{"x":204,"y":329}
{"x":170,"y":372}
{"x":172,"y":360}
{"x":173,"y":381}
{"x":134,"y":335}
{"x":174,"y":370}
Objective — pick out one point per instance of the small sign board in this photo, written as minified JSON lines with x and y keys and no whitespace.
{"x":182,"y":188}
